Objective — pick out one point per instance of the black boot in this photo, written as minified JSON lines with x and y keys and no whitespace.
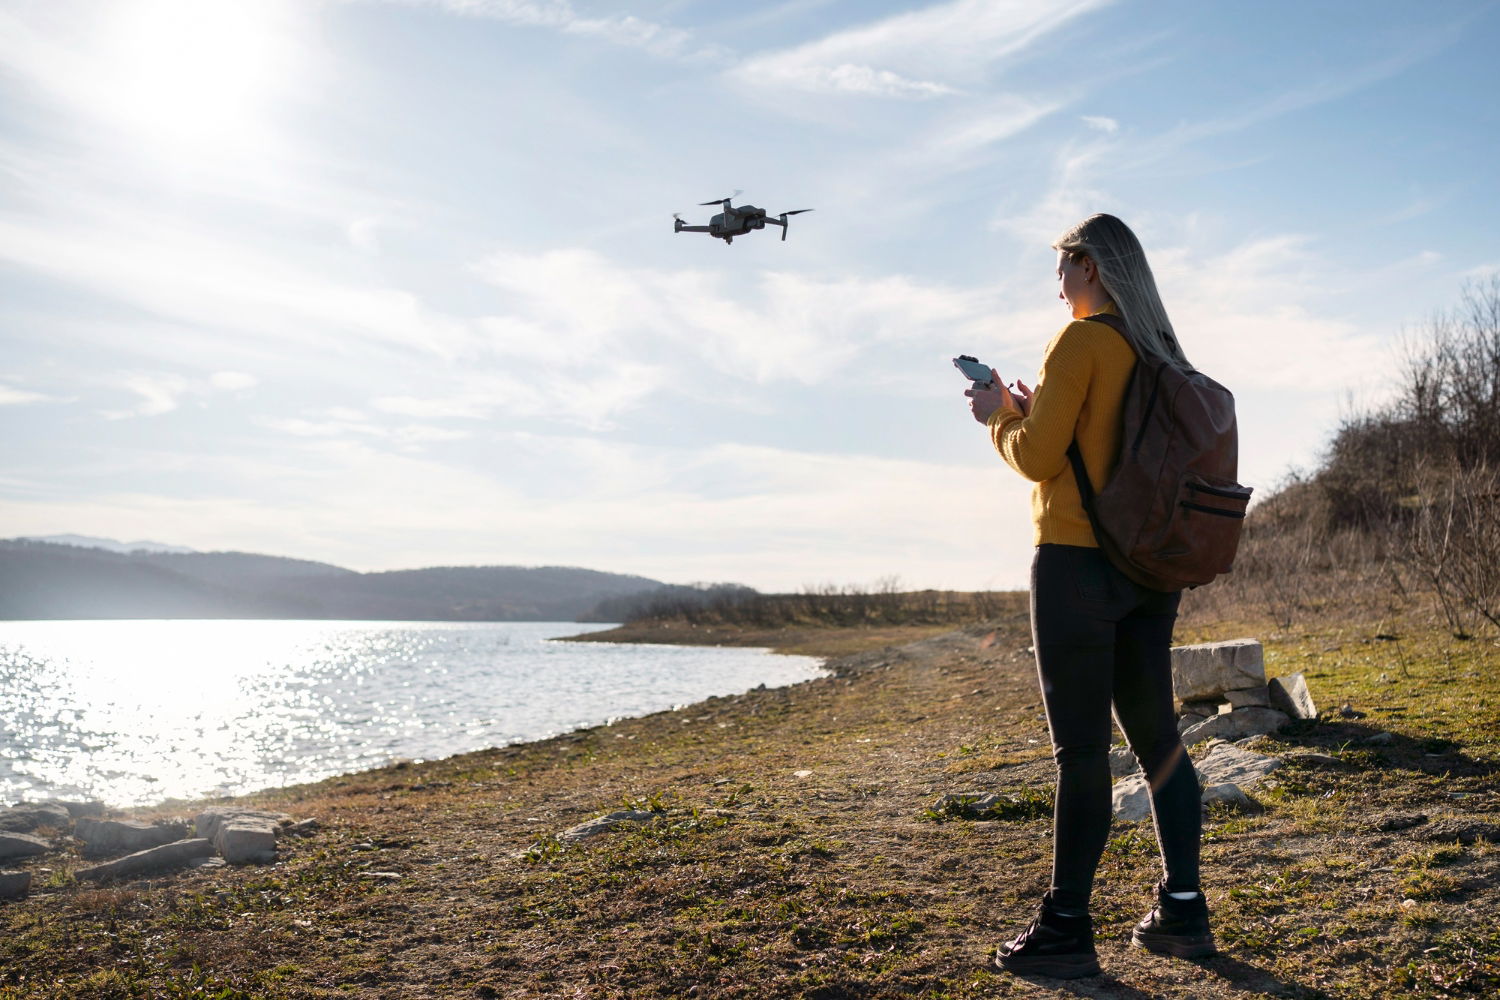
{"x":1054,"y":945}
{"x":1175,"y":927}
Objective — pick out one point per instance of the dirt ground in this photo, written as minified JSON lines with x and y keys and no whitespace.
{"x":794,"y":851}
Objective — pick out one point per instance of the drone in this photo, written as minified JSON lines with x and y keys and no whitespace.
{"x":733,"y":221}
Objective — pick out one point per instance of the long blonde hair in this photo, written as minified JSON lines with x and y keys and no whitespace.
{"x":1127,"y":278}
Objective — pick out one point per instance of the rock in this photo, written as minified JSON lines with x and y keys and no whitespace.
{"x":113,"y":836}
{"x":1229,"y":794}
{"x":604,"y":824}
{"x":1122,"y":762}
{"x":1206,"y":707}
{"x":966,"y":803}
{"x":246,"y":840}
{"x":1225,"y":762}
{"x":23,"y":817}
{"x":1464,"y":831}
{"x":802,"y":774}
{"x":1315,"y":759}
{"x":1392,"y":822}
{"x":14,"y":885}
{"x":22,"y":845}
{"x":1208,"y":669}
{"x":1188,"y":721}
{"x":76,"y":809}
{"x":1253,"y":697}
{"x":153,"y":859}
{"x":306,"y":828}
{"x":1132,"y":799}
{"x":209,"y":821}
{"x":1290,"y":695}
{"x":1348,"y":711}
{"x":382,"y":876}
{"x":1236,"y":725}
{"x":206,"y":863}
{"x":1380,"y":739}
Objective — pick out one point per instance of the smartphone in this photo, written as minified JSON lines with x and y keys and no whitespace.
{"x":975,"y":372}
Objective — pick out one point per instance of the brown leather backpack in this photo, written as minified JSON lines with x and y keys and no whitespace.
{"x":1171,"y":513}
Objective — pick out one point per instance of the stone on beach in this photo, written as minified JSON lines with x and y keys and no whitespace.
{"x":14,"y":885}
{"x":242,"y":836}
{"x":1290,"y":694}
{"x":22,"y":845}
{"x":1206,"y":670}
{"x":1223,"y":774}
{"x":1251,"y":697}
{"x":1122,"y":762}
{"x":153,"y":859}
{"x":604,"y":824}
{"x":112,"y":836}
{"x":1236,"y":725}
{"x":23,"y":817}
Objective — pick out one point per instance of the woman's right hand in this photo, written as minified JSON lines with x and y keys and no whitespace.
{"x":1021,"y":396}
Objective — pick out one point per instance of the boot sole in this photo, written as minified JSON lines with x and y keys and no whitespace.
{"x":1175,"y":945}
{"x":1058,"y":967}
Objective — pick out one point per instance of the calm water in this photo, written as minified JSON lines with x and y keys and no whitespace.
{"x":134,"y":712}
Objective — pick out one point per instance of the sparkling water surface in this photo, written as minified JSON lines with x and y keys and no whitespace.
{"x":136,"y":712}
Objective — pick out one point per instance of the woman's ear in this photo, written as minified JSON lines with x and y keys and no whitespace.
{"x":1090,"y":272}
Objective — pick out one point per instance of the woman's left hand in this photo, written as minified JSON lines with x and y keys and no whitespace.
{"x":984,"y":402}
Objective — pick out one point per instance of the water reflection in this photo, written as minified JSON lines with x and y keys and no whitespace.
{"x":139,"y":711}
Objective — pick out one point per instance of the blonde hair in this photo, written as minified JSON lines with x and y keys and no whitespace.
{"x":1127,"y":278}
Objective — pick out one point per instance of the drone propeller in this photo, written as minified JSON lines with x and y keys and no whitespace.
{"x":796,"y":211}
{"x":720,"y":201}
{"x":677,"y":215}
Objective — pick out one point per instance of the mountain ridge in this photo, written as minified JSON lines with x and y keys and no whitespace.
{"x":50,"y":580}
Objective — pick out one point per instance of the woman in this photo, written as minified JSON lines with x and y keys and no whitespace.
{"x":1101,"y":640}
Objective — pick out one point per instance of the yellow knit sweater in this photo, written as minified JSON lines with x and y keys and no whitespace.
{"x":1080,"y":391}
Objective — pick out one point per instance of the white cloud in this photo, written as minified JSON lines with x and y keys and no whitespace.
{"x":228,"y":381}
{"x":157,"y":393}
{"x":931,"y":52}
{"x":626,"y":30}
{"x":1101,"y":123}
{"x":11,"y":396}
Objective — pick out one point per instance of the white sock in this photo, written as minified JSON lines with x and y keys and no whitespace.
{"x":1183,"y":895}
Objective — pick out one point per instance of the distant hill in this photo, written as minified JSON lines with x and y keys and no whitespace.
{"x":109,"y":544}
{"x":53,"y":581}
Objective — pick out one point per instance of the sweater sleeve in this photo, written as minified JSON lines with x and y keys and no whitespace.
{"x":1036,"y":445}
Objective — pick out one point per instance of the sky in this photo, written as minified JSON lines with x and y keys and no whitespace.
{"x":394,"y":284}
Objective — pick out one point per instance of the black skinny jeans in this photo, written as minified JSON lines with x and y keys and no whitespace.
{"x":1102,"y":639}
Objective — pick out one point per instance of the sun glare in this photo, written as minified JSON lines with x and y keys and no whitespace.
{"x":194,"y":74}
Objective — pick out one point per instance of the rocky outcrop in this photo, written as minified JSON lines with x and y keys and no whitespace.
{"x":1236,"y":725}
{"x":1223,"y":772}
{"x":22,"y":845}
{"x":115,"y":836}
{"x":242,"y":836}
{"x":155,"y":859}
{"x":24,"y":817}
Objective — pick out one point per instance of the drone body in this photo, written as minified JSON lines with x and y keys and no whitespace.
{"x":734,"y":221}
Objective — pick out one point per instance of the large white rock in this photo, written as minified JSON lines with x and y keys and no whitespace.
{"x":1291,"y":696}
{"x":1132,"y":799}
{"x":1208,"y":669}
{"x":1255,"y":697}
{"x":210,"y":821}
{"x":1227,"y":762}
{"x":246,"y":841}
{"x":1236,"y":725}
{"x":1223,"y":774}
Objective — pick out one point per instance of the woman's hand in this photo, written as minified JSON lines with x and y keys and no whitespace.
{"x":984,"y":402}
{"x":1022,"y":398}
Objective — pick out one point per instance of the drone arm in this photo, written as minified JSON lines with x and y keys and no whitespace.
{"x":690,"y":229}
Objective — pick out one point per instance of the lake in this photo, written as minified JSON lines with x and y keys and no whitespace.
{"x":136,"y":712}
